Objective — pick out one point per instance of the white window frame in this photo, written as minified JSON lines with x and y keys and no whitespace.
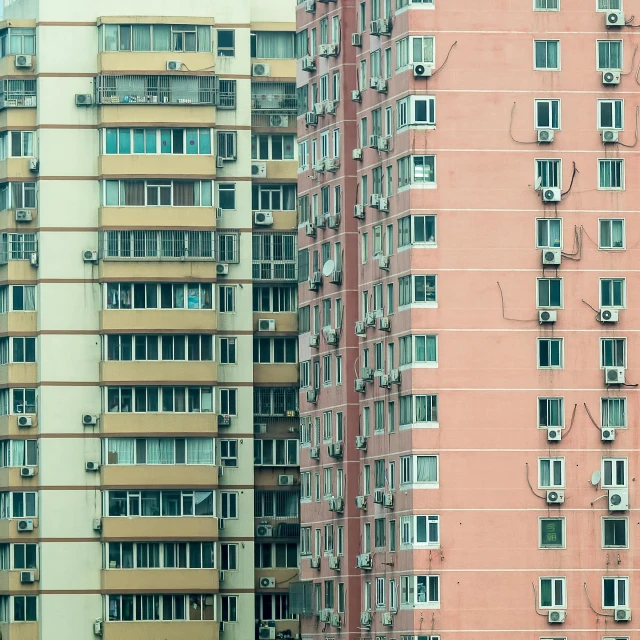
{"x":610,"y":222}
{"x":547,"y":41}
{"x":610,"y":461}
{"x":609,"y":42}
{"x":546,"y":399}
{"x":619,"y":581}
{"x":612,"y":162}
{"x":546,"y":8}
{"x":547,"y":282}
{"x":409,"y":527}
{"x":551,"y":102}
{"x":540,"y":184}
{"x":606,"y":519}
{"x":624,"y":292}
{"x":548,"y":222}
{"x":555,"y":483}
{"x":554,"y":604}
{"x":606,"y":423}
{"x":409,"y":585}
{"x":559,"y":365}
{"x":612,"y":102}
{"x":617,"y":3}
{"x":625,"y":353}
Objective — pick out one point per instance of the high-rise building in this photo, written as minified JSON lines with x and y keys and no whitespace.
{"x":467,"y":243}
{"x":148,"y":406}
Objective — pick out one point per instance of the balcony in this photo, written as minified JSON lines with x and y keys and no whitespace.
{"x":19,"y":374}
{"x":157,"y":165}
{"x":277,"y":402}
{"x":157,"y":320}
{"x":20,"y":631}
{"x":142,"y":424}
{"x":271,"y":102}
{"x":159,"y":528}
{"x":276,"y":374}
{"x":276,"y":505}
{"x":158,"y":372}
{"x":18,"y":93}
{"x":10,"y":581}
{"x":275,"y":257}
{"x":203,"y":630}
{"x":168,"y":580}
{"x":178,"y":475}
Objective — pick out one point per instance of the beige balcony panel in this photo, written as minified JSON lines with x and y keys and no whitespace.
{"x":148,"y":424}
{"x":168,"y":580}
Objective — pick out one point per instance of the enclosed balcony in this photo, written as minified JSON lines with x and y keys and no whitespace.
{"x":275,"y":256}
{"x":18,"y":93}
{"x":273,"y":104}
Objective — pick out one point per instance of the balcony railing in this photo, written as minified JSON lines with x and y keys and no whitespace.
{"x":275,"y":257}
{"x":273,"y":97}
{"x":275,"y":402}
{"x":158,"y":245}
{"x":18,"y":246}
{"x":18,"y":93}
{"x":276,"y":505}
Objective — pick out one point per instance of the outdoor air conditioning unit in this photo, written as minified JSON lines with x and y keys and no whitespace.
{"x":25,"y":525}
{"x":334,"y":450}
{"x":276,"y":120}
{"x":331,"y":337}
{"x":383,"y":205}
{"x":384,"y":263}
{"x":310,"y":230}
{"x":360,"y":385}
{"x":33,"y":259}
{"x":551,"y":256}
{"x":366,"y":373}
{"x":608,"y":315}
{"x":261,"y":70}
{"x":314,"y":563}
{"x":318,"y":108}
{"x":366,"y":618}
{"x":325,"y":615}
{"x":358,"y":211}
{"x":222,"y":269}
{"x":24,"y":215}
{"x":364,"y":561}
{"x":97,"y":524}
{"x":614,"y":19}
{"x":387,"y":500}
{"x":610,"y":135}
{"x":622,"y":614}
{"x":84,"y":99}
{"x":310,"y":119}
{"x":334,"y":563}
{"x":310,"y":6}
{"x":174,"y":65}
{"x":92,"y":466}
{"x":546,"y":135}
{"x":260,"y":427}
{"x":384,"y":144}
{"x":312,"y":396}
{"x":361,"y":503}
{"x":259,"y":170}
{"x":314,"y":453}
{"x":23,"y":62}
{"x":361,"y":328}
{"x":384,"y":26}
{"x":384,"y":382}
{"x":369,"y":320}
{"x":339,"y":505}
{"x":220,"y":160}
{"x":385,"y":323}
{"x":555,"y":497}
{"x":361,"y":443}
{"x":314,"y":340}
{"x":547,"y":317}
{"x":27,"y":472}
{"x":557,"y":617}
{"x":356,"y":154}
{"x":356,"y":40}
{"x":265,"y":324}
{"x":267,"y":633}
{"x":332,"y":164}
{"x":263,"y":218}
{"x":356,"y":95}
{"x":90,"y":255}
{"x":421,"y":70}
{"x":264,"y":531}
{"x":224,"y":420}
{"x":335,"y":620}
{"x":611,"y":77}
{"x":554,"y":434}
{"x":334,"y":223}
{"x":25,"y":421}
{"x":34,"y":165}
{"x":330,"y":106}
{"x":551,"y":194}
{"x":318,"y":167}
{"x":607,"y":435}
{"x":374,"y":198}
{"x":387,"y":619}
{"x":613,"y":375}
{"x":89,"y":420}
{"x":382,"y":87}
{"x":97,"y":627}
{"x":267,"y":583}
{"x":378,"y":496}
{"x":27,"y":577}
{"x":618,"y":499}
{"x":374,"y":28}
{"x":373,"y":142}
{"x":286,"y":481}
{"x":395,"y":376}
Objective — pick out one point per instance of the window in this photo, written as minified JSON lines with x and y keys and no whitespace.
{"x":615,"y":533}
{"x":392,"y":535}
{"x":159,"y":399}
{"x":423,"y":49}
{"x":420,"y":530}
{"x":228,"y":556}
{"x":549,"y":293}
{"x":418,"y":409}
{"x":229,"y":504}
{"x":611,"y":114}
{"x":418,"y":350}
{"x":549,"y":233}
{"x":158,"y":503}
{"x":546,"y":54}
{"x":17,"y":144}
{"x":154,"y":141}
{"x":229,"y":402}
{"x":140,"y":347}
{"x":279,"y":452}
{"x":610,"y":174}
{"x":228,"y":453}
{"x":15,"y":41}
{"x":418,"y":469}
{"x":275,"y":299}
{"x":228,"y":351}
{"x":548,"y":173}
{"x":23,"y":349}
{"x":550,"y":354}
{"x":614,"y":473}
{"x":613,"y":412}
{"x":417,"y":170}
{"x":419,"y":590}
{"x":25,"y":556}
{"x":155,"y":555}
{"x":273,"y":197}
{"x":604,"y":5}
{"x":416,"y":230}
{"x":416,"y":110}
{"x":611,"y":234}
{"x":272,"y":44}
{"x":229,"y":608}
{"x":18,"y":453}
{"x":613,"y":352}
{"x":155,"y":37}
{"x":615,"y":592}
{"x":552,"y":533}
{"x":275,"y":350}
{"x":25,"y":608}
{"x":547,"y":5}
{"x":612,"y":292}
{"x":18,"y":195}
{"x":273,"y":146}
{"x":380,"y":532}
{"x":550,"y":412}
{"x":139,"y":451}
{"x":552,"y":593}
{"x":23,"y":401}
{"x":418,"y":288}
{"x":550,"y":473}
{"x":547,"y":114}
{"x":157,"y":192}
{"x":609,"y":54}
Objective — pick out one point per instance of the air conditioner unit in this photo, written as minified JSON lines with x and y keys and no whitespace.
{"x":310,"y":230}
{"x":260,"y":427}
{"x":97,"y":524}
{"x":33,"y":259}
{"x":554,"y":434}
{"x":279,"y":121}
{"x":614,"y":19}
{"x":552,"y":256}
{"x":265,"y":324}
{"x":361,"y":328}
{"x":224,"y":420}
{"x":262,"y":70}
{"x":174,"y":65}
{"x":312,"y":396}
{"x":382,"y":87}
{"x":334,"y":450}
{"x":92,"y":466}
{"x":356,"y":95}
{"x":361,"y":443}
{"x":34,"y":165}
{"x":220,"y":162}
{"x":318,"y":108}
{"x":366,"y":373}
{"x":24,"y":215}
{"x":610,"y":77}
{"x":608,"y":315}
{"x":361,"y":502}
{"x":546,"y":135}
{"x":384,"y":262}
{"x":365,"y":618}
{"x":339,"y":505}
{"x":607,"y":435}
{"x":221,"y":524}
{"x":547,"y":317}
{"x":264,"y":531}
{"x":360,"y":385}
{"x":356,"y":40}
{"x":317,"y":277}
{"x":555,"y":497}
{"x":25,"y":525}
{"x":384,"y":382}
{"x":369,"y":320}
{"x":90,"y":255}
{"x":421,"y":70}
{"x":383,"y":205}
{"x":334,"y":223}
{"x":332,"y":504}
{"x":387,"y":500}
{"x":314,"y":453}
{"x":84,"y":99}
{"x":267,"y":583}
{"x":374,"y":199}
{"x":89,"y":420}
{"x":373,"y":142}
{"x":610,"y":136}
{"x":618,"y":499}
{"x":622,"y":614}
{"x":332,"y":164}
{"x":320,"y":221}
{"x":334,"y":563}
{"x":364,"y":561}
{"x":314,"y":563}
{"x":25,"y":421}
{"x":557,"y":617}
{"x":325,"y":615}
{"x":27,"y":472}
{"x":384,"y":26}
{"x":263,"y":218}
{"x":286,"y":481}
{"x":27,"y":577}
{"x":314,"y":340}
{"x":551,"y":194}
{"x":324,"y":50}
{"x":259,"y":170}
{"x":97,"y":627}
{"x":384,"y":143}
{"x":23,"y":62}
{"x":378,"y":496}
{"x":330,"y":106}
{"x":222,"y":269}
{"x":331,"y":337}
{"x":336,"y":620}
{"x":614,"y":375}
{"x":387,"y":619}
{"x":358,"y":211}
{"x":310,"y":6}
{"x":395,"y":376}
{"x":318,"y":166}
{"x":374,"y":28}
{"x":310,"y":119}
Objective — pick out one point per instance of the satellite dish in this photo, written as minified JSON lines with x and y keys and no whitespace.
{"x":595,"y":478}
{"x":328,"y":268}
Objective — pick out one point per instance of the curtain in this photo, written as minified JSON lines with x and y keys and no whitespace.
{"x":17,"y":453}
{"x":204,"y":38}
{"x":121,"y":451}
{"x":275,"y":44}
{"x":29,"y":298}
{"x":110,"y":37}
{"x":184,"y":193}
{"x":545,"y":593}
{"x":160,"y":450}
{"x":427,"y":469}
{"x":421,"y":409}
{"x":141,"y":37}
{"x":161,"y":37}
{"x":289,"y":197}
{"x":199,"y":451}
{"x":545,"y":473}
{"x":132,"y":193}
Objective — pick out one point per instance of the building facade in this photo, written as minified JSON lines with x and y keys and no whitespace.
{"x":467,"y":239}
{"x":149,"y":414}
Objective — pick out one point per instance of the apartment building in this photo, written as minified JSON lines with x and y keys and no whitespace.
{"x":148,"y":304}
{"x":467,"y":261}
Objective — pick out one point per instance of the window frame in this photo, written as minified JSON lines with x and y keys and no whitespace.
{"x":563,"y":523}
{"x":547,"y":41}
{"x":560,"y":364}
{"x":609,"y":222}
{"x":553,"y":605}
{"x":551,"y":102}
{"x":606,"y":519}
{"x":612,"y":162}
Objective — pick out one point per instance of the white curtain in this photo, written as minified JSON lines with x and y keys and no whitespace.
{"x":121,"y":451}
{"x":29,"y":298}
{"x":199,"y":451}
{"x":160,"y":451}
{"x":161,"y":37}
{"x":141,"y":37}
{"x":17,"y":453}
{"x":427,"y":469}
{"x":274,"y":44}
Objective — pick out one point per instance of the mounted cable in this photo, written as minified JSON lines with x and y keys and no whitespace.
{"x":598,"y":613}
{"x":537,"y":495}
{"x":503,"y":312}
{"x":573,"y":175}
{"x":513,"y":108}
{"x":573,"y":417}
{"x":630,"y":146}
{"x":595,"y":424}
{"x":445,"y":60}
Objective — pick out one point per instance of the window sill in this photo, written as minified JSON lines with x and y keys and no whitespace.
{"x":420,"y":605}
{"x":418,"y":245}
{"x":418,"y":365}
{"x":419,"y":186}
{"x":418,"y":305}
{"x":419,"y":485}
{"x":420,"y":425}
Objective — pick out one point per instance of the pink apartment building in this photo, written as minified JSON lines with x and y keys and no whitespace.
{"x":469,"y":232}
